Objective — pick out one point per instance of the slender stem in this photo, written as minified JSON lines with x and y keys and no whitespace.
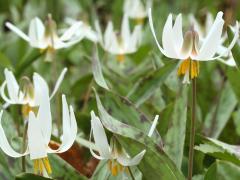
{"x":131,"y":174}
{"x":23,"y":147}
{"x":192,"y":132}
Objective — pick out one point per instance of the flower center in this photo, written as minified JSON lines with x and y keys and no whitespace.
{"x":120,"y":58}
{"x":189,"y":66}
{"x":42,"y":165}
{"x":139,"y":21}
{"x":115,"y":167}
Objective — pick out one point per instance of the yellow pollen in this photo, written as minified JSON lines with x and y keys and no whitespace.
{"x":120,"y":58}
{"x":115,"y":167}
{"x":26,"y":108}
{"x":190,"y":66}
{"x":40,"y":165}
{"x":139,"y":21}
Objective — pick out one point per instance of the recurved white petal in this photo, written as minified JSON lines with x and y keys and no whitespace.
{"x":13,"y":87}
{"x":69,"y":128}
{"x":5,"y":98}
{"x":58,"y":83}
{"x":153,"y":126}
{"x":213,"y":39}
{"x":100,"y":137}
{"x":177,"y":33}
{"x":4,"y":144}
{"x":125,"y":31}
{"x":36,"y":33}
{"x":36,"y":143}
{"x":124,"y":160}
{"x":71,"y":31}
{"x":154,"y":34}
{"x":17,"y":31}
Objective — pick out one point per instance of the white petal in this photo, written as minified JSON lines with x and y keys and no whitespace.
{"x":100,"y":137}
{"x":69,"y":33}
{"x":126,"y":161}
{"x":5,"y":146}
{"x":69,"y":128}
{"x":40,"y":88}
{"x":153,"y":126}
{"x":36,"y":144}
{"x":42,"y":100}
{"x":168,"y":40}
{"x":58,"y":83}
{"x":228,"y":49}
{"x":91,"y":150}
{"x":125,"y":31}
{"x":177,"y":32}
{"x":36,"y":33}
{"x":154,"y":34}
{"x":5,"y":98}
{"x":17,"y":31}
{"x":213,"y":39}
{"x":230,"y":62}
{"x":13,"y":87}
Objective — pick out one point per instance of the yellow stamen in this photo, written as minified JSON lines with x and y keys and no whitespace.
{"x":190,"y":66}
{"x":40,"y":165}
{"x":26,"y":108}
{"x":120,"y":58}
{"x":115,"y":170}
{"x":139,"y":21}
{"x":115,"y":167}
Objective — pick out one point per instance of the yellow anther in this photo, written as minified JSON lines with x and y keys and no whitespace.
{"x":139,"y":21}
{"x":120,"y":58}
{"x":42,"y":164}
{"x":190,"y":66}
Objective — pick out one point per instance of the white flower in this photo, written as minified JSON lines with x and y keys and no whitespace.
{"x":135,"y":9}
{"x":121,"y":43}
{"x":31,"y":94}
{"x":39,"y":134}
{"x":117,"y":157}
{"x":189,"y":49}
{"x":84,"y":30}
{"x":45,"y":36}
{"x":204,"y":29}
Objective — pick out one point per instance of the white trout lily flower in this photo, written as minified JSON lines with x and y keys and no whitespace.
{"x":45,"y":37}
{"x":31,"y":93}
{"x":121,"y":43}
{"x":135,"y":9}
{"x":118,"y":159}
{"x":39,"y":134}
{"x":84,"y":30}
{"x":203,"y":29}
{"x":188,"y":49}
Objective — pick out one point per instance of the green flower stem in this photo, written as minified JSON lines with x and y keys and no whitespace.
{"x":131,"y":174}
{"x":192,"y":131}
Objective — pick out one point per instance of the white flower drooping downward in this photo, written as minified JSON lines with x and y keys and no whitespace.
{"x":118,"y":159}
{"x":45,"y":37}
{"x":121,"y":43}
{"x":31,"y":93}
{"x":39,"y":134}
{"x":188,"y":49}
{"x":136,"y":10}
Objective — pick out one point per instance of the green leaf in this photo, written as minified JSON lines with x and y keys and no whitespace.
{"x":4,"y":61}
{"x":144,"y":88}
{"x":175,"y":137}
{"x":29,"y":176}
{"x":232,"y":73}
{"x":222,"y":170}
{"x":163,"y":166}
{"x":219,"y":150}
{"x":97,"y":70}
{"x":155,"y":164}
{"x":220,"y":113}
